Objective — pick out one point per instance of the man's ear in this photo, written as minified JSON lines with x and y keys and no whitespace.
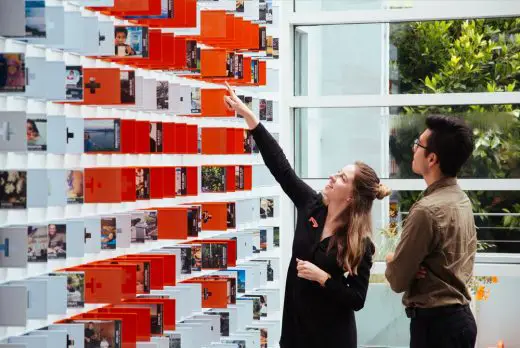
{"x":432,"y":158}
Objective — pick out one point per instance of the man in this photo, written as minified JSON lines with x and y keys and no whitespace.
{"x":433,"y":262}
{"x":57,"y":243}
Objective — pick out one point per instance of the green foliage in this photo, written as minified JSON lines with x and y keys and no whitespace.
{"x":458,"y":56}
{"x":461,"y":56}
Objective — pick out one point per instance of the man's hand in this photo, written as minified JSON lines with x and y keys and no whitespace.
{"x":309,"y":271}
{"x":389,"y":257}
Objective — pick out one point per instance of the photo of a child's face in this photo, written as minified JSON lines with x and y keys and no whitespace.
{"x":131,"y":41}
{"x":121,"y":37}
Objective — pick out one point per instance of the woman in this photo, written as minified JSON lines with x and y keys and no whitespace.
{"x":33,"y":133}
{"x":332,"y":251}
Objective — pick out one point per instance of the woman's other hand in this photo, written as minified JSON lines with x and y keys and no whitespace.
{"x":310,"y":271}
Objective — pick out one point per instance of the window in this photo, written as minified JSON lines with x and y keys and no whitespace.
{"x":329,"y":138}
{"x":447,"y":56}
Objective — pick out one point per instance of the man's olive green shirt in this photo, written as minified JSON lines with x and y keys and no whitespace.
{"x":439,"y":234}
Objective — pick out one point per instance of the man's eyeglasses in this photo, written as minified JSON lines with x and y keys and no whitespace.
{"x":416,"y":144}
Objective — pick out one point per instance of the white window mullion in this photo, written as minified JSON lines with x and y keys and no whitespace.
{"x":358,"y":101}
{"x":511,"y":269}
{"x":419,"y":184}
{"x":462,"y":10}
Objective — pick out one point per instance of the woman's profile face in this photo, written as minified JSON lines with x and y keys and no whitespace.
{"x":31,"y":132}
{"x":340,"y":185}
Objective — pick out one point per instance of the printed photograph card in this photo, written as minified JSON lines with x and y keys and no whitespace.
{"x":194,"y":221}
{"x":102,"y":135}
{"x":101,"y":333}
{"x":196,"y":257}
{"x":75,"y":288}
{"x":12,"y":72}
{"x":231,"y":215}
{"x":138,"y":227}
{"x":37,"y":243}
{"x":142,"y":183}
{"x":151,"y":231}
{"x":57,"y":247}
{"x":108,"y":233}
{"x":195,"y":100}
{"x":214,"y":256}
{"x":75,"y":186}
{"x":36,"y":127}
{"x":266,"y":207}
{"x":35,"y":25}
{"x":74,"y":83}
{"x":156,"y":137}
{"x":162,"y":95}
{"x":213,"y":179}
{"x":128,"y":87}
{"x":131,"y":41}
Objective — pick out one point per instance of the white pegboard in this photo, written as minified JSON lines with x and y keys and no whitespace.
{"x":35,"y":270}
{"x":65,"y":160}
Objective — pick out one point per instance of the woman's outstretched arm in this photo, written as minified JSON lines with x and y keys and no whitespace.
{"x":297,"y":190}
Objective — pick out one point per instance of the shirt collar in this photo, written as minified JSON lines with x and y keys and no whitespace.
{"x":443,"y":182}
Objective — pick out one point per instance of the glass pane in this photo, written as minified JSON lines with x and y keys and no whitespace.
{"x":327,"y":139}
{"x":477,"y":55}
{"x":497,"y":217}
{"x":339,"y":59}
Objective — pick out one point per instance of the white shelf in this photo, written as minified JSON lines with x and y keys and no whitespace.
{"x":21,"y":161}
{"x":7,"y":331}
{"x":44,"y":215}
{"x":38,"y":269}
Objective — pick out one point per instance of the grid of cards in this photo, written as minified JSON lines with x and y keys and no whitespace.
{"x":134,"y":207}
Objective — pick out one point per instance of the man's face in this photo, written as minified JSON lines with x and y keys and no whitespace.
{"x":420,"y":158}
{"x":52,"y":230}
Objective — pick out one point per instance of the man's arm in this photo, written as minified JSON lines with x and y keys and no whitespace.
{"x":414,"y":246}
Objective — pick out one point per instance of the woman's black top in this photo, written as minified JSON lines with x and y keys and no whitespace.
{"x":314,"y":316}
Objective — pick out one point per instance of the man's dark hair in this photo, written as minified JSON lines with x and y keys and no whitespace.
{"x":121,"y":30}
{"x":451,"y":139}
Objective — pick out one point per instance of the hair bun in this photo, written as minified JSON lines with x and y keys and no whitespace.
{"x":382,"y":191}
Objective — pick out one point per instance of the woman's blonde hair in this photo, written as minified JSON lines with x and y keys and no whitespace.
{"x":350,"y":240}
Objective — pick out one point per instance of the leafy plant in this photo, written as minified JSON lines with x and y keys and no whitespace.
{"x":480,"y":55}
